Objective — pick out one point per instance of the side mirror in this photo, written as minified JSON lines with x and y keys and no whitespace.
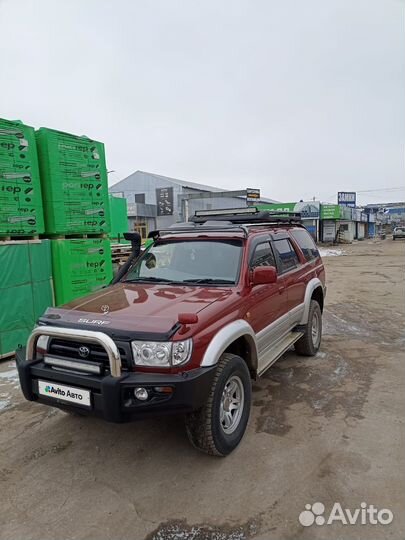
{"x":135,"y":239}
{"x":264,"y":274}
{"x":150,"y":261}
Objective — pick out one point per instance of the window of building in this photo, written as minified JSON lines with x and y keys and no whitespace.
{"x":286,"y":254}
{"x":140,"y":198}
{"x":263,"y":256}
{"x":306,"y":243}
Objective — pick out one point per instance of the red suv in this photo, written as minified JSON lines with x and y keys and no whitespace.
{"x":185,"y":326}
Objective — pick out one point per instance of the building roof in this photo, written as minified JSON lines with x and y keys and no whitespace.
{"x":389,"y":205}
{"x":183,"y":183}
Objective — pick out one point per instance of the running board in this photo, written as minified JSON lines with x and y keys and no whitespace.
{"x":275,"y":352}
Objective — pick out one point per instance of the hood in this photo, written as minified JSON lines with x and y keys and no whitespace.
{"x":147,"y":308}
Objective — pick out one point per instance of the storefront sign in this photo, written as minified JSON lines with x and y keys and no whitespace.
{"x":164,"y":201}
{"x":347,"y":198}
{"x":330,"y":211}
{"x":252,"y":195}
{"x":308,"y":210}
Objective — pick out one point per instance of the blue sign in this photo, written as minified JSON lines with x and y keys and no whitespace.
{"x":347,"y":198}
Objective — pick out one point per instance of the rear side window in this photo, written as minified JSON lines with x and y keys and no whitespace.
{"x":263,"y":256}
{"x":307,"y":245}
{"x":286,"y":253}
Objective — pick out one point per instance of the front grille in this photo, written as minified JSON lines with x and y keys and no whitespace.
{"x":70,"y":349}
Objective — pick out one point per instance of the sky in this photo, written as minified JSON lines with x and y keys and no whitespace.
{"x":299,"y":99}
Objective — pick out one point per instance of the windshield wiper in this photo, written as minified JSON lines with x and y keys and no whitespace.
{"x":149,"y":278}
{"x":210,"y":280}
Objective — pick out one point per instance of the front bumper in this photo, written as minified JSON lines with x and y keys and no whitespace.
{"x":112,"y":398}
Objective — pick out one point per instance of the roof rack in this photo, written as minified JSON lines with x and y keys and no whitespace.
{"x":248,"y":215}
{"x":196,"y":227}
{"x":230,"y":220}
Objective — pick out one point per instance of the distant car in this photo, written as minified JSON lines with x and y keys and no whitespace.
{"x":399,"y":232}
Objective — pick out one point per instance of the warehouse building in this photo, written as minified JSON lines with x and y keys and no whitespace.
{"x":156,"y":201}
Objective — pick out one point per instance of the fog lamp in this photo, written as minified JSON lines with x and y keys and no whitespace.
{"x":141,"y":393}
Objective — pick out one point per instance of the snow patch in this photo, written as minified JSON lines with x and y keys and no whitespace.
{"x":329,"y":252}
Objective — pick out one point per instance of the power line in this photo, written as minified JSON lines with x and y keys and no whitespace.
{"x":402,"y":188}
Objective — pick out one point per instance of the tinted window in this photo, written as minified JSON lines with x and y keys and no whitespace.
{"x":263,"y":256}
{"x":307,"y":245}
{"x":287,"y":256}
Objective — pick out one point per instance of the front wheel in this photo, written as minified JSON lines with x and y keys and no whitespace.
{"x":309,"y":343}
{"x":218,"y":427}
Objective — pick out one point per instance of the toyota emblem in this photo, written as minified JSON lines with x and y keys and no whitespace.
{"x":84,"y":351}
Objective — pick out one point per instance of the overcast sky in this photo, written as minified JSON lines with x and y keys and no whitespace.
{"x":298,"y":98}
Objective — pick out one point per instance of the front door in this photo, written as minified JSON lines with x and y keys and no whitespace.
{"x":268,"y":306}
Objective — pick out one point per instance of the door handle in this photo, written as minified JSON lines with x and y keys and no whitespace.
{"x":281,"y":288}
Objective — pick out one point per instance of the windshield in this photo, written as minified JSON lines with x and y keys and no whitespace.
{"x":189,"y":261}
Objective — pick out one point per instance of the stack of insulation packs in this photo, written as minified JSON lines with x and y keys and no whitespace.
{"x":74,"y":183}
{"x":20,"y":189}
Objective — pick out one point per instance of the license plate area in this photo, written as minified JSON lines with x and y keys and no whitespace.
{"x":65,"y":394}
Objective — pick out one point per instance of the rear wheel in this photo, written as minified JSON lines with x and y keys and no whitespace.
{"x":310,"y":342}
{"x":218,"y":427}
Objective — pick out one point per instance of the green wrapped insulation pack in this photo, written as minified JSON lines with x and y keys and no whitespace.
{"x":25,"y":290}
{"x":74,"y":183}
{"x":80,"y":266}
{"x":119,"y":218}
{"x":21,"y":212}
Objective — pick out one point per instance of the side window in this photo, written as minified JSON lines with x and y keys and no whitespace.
{"x":306,"y":243}
{"x":263,"y":256}
{"x":286,"y":253}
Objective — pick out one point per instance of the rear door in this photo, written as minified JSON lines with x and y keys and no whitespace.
{"x":291,"y":270}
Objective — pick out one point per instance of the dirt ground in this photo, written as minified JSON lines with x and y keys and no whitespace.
{"x":326,"y":429}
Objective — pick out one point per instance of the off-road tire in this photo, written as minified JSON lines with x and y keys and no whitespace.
{"x":305,"y":345}
{"x":204,"y":427}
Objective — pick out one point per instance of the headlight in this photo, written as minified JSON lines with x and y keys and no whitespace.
{"x":161,"y":354}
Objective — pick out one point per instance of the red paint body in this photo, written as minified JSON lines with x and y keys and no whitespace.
{"x":155,"y":308}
